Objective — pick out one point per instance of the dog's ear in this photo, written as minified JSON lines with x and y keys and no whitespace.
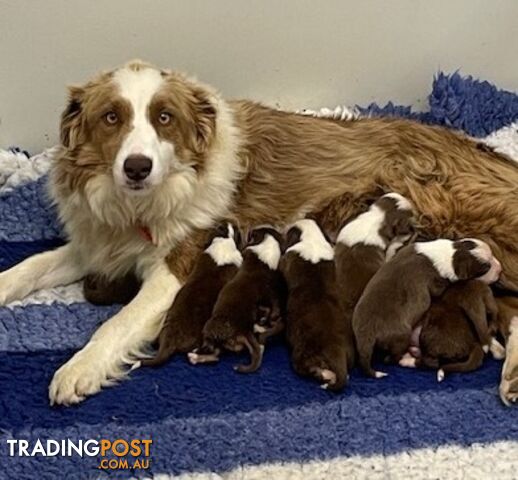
{"x":204,"y":120}
{"x":71,"y":119}
{"x":238,"y":237}
{"x":292,"y":237}
{"x":467,"y":266}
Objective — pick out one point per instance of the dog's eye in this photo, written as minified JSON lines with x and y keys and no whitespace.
{"x":165,"y":118}
{"x":111,"y":118}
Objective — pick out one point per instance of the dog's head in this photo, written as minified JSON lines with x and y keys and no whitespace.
{"x":139,"y":126}
{"x":473,"y":259}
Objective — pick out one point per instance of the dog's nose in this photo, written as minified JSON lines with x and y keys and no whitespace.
{"x":137,"y":167}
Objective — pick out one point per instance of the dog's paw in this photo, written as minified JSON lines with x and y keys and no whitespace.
{"x":407,"y":361}
{"x":497,"y":349}
{"x":440,"y":375}
{"x":84,"y":375}
{"x":509,"y":380}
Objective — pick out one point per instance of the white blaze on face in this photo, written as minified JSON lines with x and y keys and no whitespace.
{"x":138,"y":87}
{"x":313,"y":246}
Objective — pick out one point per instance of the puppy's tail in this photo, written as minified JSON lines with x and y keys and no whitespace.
{"x":165,"y":351}
{"x":474,"y":361}
{"x":365,"y":345}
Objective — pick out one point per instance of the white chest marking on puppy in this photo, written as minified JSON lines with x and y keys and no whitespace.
{"x":268,"y":251}
{"x":440,"y":252}
{"x":224,"y":252}
{"x":313,"y":246}
{"x":364,"y":229}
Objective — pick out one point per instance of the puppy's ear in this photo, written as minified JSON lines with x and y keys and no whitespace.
{"x":238,"y":237}
{"x":71,"y":119}
{"x":292,"y":237}
{"x":204,"y":120}
{"x":467,"y":266}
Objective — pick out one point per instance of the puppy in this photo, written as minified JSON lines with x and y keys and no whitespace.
{"x":401,"y":291}
{"x":252,"y":299}
{"x":182,"y":330}
{"x":455,"y":331}
{"x":361,"y":245}
{"x":321,"y":341}
{"x":99,"y":290}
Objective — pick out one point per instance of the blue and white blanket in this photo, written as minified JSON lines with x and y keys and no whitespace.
{"x":268,"y":425}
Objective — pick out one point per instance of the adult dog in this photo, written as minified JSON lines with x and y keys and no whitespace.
{"x":151,"y":159}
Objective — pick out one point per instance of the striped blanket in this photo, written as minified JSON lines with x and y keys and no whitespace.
{"x":210,"y":423}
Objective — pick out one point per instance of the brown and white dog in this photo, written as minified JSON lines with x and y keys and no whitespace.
{"x":361,"y":246}
{"x":320,"y":338}
{"x":152,"y":159}
{"x":455,"y":333}
{"x":401,"y":291}
{"x":253,"y":297}
{"x":192,"y":308}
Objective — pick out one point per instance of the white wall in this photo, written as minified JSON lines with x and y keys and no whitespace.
{"x":291,"y":53}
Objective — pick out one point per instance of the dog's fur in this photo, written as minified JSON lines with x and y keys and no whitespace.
{"x":455,"y":332}
{"x":215,"y":267}
{"x":320,"y":338}
{"x":213,"y":159}
{"x":254,"y":296}
{"x":401,"y":291}
{"x":361,"y":245}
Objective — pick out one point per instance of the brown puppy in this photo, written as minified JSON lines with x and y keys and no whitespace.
{"x":321,"y":341}
{"x":182,"y":330}
{"x":253,"y":298}
{"x":98,"y":290}
{"x":455,"y":332}
{"x":361,"y":245}
{"x":401,"y":291}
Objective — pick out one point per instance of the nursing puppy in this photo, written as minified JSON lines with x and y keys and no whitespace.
{"x":361,"y":245}
{"x":193,"y":305}
{"x":98,"y":290}
{"x":455,"y":332}
{"x":252,"y":298}
{"x":321,"y":341}
{"x":401,"y":291}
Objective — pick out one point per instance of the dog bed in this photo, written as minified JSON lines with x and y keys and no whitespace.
{"x":271,"y":424}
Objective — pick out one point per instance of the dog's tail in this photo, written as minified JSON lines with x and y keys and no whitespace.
{"x":166,"y":349}
{"x":365,"y":345}
{"x":474,"y":361}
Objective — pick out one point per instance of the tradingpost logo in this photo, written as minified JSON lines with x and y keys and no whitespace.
{"x":118,"y":454}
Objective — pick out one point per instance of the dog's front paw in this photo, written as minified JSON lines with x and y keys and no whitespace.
{"x":83,"y":375}
{"x":509,"y":379}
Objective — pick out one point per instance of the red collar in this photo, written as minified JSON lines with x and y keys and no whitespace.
{"x":145,"y":233}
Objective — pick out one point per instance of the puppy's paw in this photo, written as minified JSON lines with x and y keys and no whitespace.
{"x":378,"y":374}
{"x":440,"y":375}
{"x":407,"y":361}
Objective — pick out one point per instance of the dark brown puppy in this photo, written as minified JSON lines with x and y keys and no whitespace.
{"x":321,"y":341}
{"x":361,"y":245}
{"x":401,"y":291}
{"x":455,"y":332}
{"x":99,"y":290}
{"x":252,"y":299}
{"x":182,"y":330}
